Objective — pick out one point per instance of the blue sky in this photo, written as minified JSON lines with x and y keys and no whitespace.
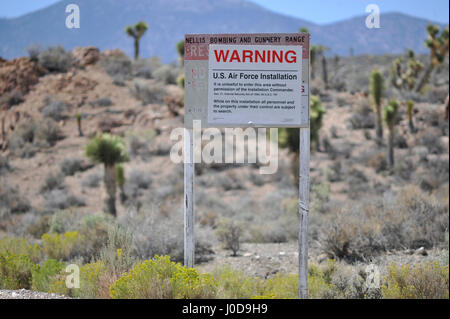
{"x":318,"y":11}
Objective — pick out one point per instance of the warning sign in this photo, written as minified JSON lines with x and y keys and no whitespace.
{"x":258,"y":80}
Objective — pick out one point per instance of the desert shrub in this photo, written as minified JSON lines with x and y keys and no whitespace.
{"x":15,"y":271}
{"x":103,"y":102}
{"x":410,"y":220}
{"x":379,"y":162}
{"x":92,"y":180}
{"x":432,"y":143}
{"x":228,"y":181}
{"x":116,"y":66}
{"x":54,"y":109}
{"x":277,"y":228}
{"x":91,"y":281}
{"x":341,"y":101}
{"x":426,"y":281}
{"x":59,"y":199}
{"x":357,"y":183}
{"x":349,"y":282}
{"x":49,"y":132}
{"x":92,"y":227}
{"x":62,"y":247}
{"x":320,"y":196}
{"x":160,"y":278}
{"x":148,"y":93}
{"x":12,"y":202}
{"x":55,"y":59}
{"x":136,"y":183}
{"x":438,"y":172}
{"x":138,"y":143}
{"x":29,"y":137}
{"x":63,"y":221}
{"x":139,"y":179}
{"x":38,"y":224}
{"x":285,"y":286}
{"x":362,"y":117}
{"x":229,"y":233}
{"x":69,"y":166}
{"x":43,"y":275}
{"x":53,"y":181}
{"x":33,"y":52}
{"x":256,"y":179}
{"x":20,"y":247}
{"x":166,"y":74}
{"x":400,"y":141}
{"x":5,"y":167}
{"x":156,"y":233}
{"x":273,"y":232}
{"x":144,"y":68}
{"x":95,"y":229}
{"x":21,"y":141}
{"x":118,"y":80}
{"x":12,"y":98}
{"x":404,"y":168}
{"x":118,"y":254}
{"x":233,"y":284}
{"x":280,"y":287}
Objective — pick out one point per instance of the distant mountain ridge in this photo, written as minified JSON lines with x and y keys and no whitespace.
{"x":103,"y":23}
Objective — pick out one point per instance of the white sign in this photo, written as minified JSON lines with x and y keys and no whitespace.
{"x":245,"y":80}
{"x":254,"y":85}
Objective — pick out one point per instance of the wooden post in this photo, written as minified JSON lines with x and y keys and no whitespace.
{"x":303,"y":208}
{"x":189,"y":166}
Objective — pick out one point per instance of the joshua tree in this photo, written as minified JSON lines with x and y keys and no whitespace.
{"x":320,"y":50}
{"x":80,"y":131}
{"x":312,"y":60}
{"x":314,"y":51}
{"x":376,"y":92}
{"x":109,"y":150}
{"x":390,"y":116}
{"x":438,"y":45}
{"x":120,"y":175}
{"x":180,"y":49}
{"x":403,"y":76}
{"x":303,"y":30}
{"x":410,"y":110}
{"x":292,"y":135}
{"x":136,"y":32}
{"x":316,"y":117}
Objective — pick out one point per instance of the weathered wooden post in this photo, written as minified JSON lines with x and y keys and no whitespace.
{"x":303,"y":209}
{"x":303,"y":200}
{"x":189,"y":172}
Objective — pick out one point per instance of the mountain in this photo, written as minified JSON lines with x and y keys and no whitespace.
{"x":103,"y":23}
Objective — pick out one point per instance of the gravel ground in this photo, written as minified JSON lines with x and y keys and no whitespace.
{"x":28,"y":294}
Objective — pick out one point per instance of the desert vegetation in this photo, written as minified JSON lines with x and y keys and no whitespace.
{"x":86,"y":179}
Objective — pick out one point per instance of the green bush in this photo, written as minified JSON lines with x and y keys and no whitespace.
{"x":427,"y":281}
{"x":234,"y":284}
{"x":285,"y":286}
{"x":44,"y":274}
{"x":55,"y":59}
{"x":161,"y":278}
{"x":229,"y":233}
{"x":12,"y":201}
{"x":20,"y":246}
{"x":62,"y":247}
{"x":15,"y":271}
